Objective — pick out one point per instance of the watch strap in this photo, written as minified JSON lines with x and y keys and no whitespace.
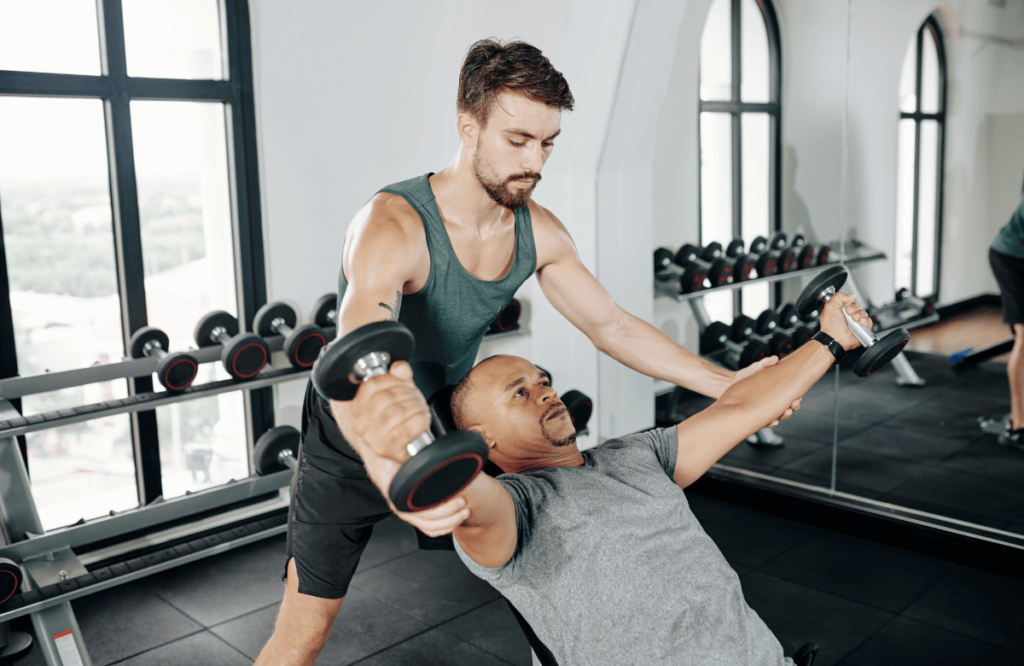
{"x":831,"y":344}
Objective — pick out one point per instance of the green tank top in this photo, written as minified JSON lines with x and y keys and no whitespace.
{"x":1010,"y":239}
{"x":453,"y":310}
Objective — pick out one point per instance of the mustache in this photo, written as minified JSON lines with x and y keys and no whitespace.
{"x":526,"y":175}
{"x":551,"y":410}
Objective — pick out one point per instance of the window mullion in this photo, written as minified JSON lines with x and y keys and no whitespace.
{"x":128,"y":242}
{"x":737,"y":148}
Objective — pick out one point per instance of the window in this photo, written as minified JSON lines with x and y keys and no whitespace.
{"x":739,"y":136}
{"x":920,"y":161}
{"x":128,"y":197}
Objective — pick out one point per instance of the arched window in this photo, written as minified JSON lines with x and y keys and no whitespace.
{"x":739,"y":135}
{"x":919,"y":169}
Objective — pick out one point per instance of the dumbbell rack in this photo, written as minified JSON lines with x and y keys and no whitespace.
{"x":905,"y":374}
{"x":161,"y":535}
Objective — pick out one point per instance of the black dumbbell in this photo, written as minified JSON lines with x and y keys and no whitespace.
{"x":823,"y":254}
{"x":710,"y":258}
{"x":790,"y":323}
{"x":276,"y":451}
{"x":737,"y":356}
{"x":767,"y":258}
{"x":806,"y":253}
{"x":302,"y":344}
{"x":507,"y":319}
{"x":436,"y":469}
{"x":325,"y":311}
{"x":787,"y":253}
{"x":763,"y":329}
{"x":744,"y":263}
{"x":176,"y":370}
{"x":244,"y":354}
{"x":877,"y":352}
{"x":580,"y":408}
{"x":687,"y":279}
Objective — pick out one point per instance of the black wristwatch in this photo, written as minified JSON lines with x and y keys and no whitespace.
{"x":831,"y":344}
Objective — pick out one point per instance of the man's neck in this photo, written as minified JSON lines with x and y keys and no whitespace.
{"x":461,"y":198}
{"x":570,"y":458}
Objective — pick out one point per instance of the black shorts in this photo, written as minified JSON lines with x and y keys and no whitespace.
{"x":1009,"y":272}
{"x":334,"y":506}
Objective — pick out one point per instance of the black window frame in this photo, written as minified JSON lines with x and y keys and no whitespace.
{"x":116,"y":89}
{"x":736,"y":107}
{"x":930,"y":24}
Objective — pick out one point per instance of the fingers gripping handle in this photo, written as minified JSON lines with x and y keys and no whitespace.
{"x":378,"y":363}
{"x":866,"y":337}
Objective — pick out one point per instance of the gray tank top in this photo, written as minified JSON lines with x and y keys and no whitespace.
{"x":452,"y":311}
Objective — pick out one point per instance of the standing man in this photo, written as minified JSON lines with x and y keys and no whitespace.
{"x":1007,"y":259}
{"x":444,"y":253}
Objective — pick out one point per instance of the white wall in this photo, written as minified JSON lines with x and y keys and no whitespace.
{"x":354,"y":96}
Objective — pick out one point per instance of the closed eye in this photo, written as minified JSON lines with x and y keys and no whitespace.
{"x":517,"y":145}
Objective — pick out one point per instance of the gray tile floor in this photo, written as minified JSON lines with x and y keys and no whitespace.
{"x":864,"y":603}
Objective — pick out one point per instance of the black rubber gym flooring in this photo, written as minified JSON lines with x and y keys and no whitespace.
{"x":864,"y":603}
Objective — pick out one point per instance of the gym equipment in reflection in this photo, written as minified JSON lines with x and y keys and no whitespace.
{"x":507,"y":320}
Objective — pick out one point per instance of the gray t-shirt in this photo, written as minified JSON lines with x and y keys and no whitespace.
{"x":612,"y":567}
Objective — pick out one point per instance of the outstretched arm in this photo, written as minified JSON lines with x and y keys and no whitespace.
{"x":482,"y":516}
{"x":748,"y":404}
{"x":581,"y":299}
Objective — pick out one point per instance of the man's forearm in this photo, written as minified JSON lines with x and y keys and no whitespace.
{"x":642,"y":347}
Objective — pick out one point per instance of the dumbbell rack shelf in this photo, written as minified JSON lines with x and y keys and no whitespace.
{"x":665,"y":289}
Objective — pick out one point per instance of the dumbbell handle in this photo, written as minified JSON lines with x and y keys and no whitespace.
{"x":280,"y":326}
{"x":287,"y":458}
{"x":220,"y":334}
{"x":377,"y":363}
{"x":866,"y":337}
{"x":154,"y":350}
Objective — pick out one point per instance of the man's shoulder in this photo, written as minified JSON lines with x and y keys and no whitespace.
{"x":389,"y":218}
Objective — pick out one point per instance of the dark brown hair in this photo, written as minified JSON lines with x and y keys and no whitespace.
{"x":491,"y":68}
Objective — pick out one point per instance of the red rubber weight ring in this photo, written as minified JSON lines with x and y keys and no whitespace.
{"x":479,"y":466}
{"x":235,"y":359}
{"x":311,"y":335}
{"x":195,"y":370}
{"x":16,"y":584}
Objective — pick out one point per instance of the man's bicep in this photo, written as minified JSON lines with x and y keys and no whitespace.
{"x":493,"y":543}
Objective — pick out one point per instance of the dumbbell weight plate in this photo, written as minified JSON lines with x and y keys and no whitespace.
{"x":801,"y":334}
{"x":787,"y":259}
{"x":713,"y":337}
{"x":265,"y":455}
{"x":140,"y":338}
{"x":439,"y":471}
{"x":808,"y":303}
{"x":759,"y":245}
{"x":693,"y":278}
{"x":823,"y":254}
{"x":781,"y":345}
{"x":720,"y":273}
{"x":662,"y":259}
{"x":580,"y":408}
{"x":322,"y":309}
{"x":753,"y":352}
{"x":878,"y":355}
{"x":808,"y":256}
{"x":331,"y":373}
{"x":744,"y":266}
{"x":767,"y":263}
{"x":302,"y":346}
{"x":735,"y":248}
{"x":778,"y":241}
{"x":265,"y":316}
{"x":210,"y":321}
{"x":10,"y":579}
{"x":177,"y":371}
{"x":766,"y":323}
{"x":711,"y":251}
{"x":788,"y":317}
{"x":742,"y":328}
{"x":507,"y":318}
{"x":686,"y":254}
{"x":245,"y":355}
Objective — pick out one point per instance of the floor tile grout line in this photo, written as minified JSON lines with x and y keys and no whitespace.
{"x":428,"y":629}
{"x":156,"y":647}
{"x":959,"y":633}
{"x":247,"y":657}
{"x":806,"y":586}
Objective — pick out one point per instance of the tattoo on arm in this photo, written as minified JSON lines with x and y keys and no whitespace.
{"x":394,"y":308}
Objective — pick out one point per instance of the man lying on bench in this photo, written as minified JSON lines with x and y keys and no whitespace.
{"x":599,"y":550}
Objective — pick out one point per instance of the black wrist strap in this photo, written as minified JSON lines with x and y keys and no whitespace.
{"x":831,"y":344}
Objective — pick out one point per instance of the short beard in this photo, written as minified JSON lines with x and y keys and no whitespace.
{"x":571,"y":439}
{"x":498,"y":189}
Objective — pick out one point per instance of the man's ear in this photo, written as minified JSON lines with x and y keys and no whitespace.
{"x":483,"y":433}
{"x":468,"y":129}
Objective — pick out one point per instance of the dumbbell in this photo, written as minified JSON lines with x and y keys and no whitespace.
{"x":744,"y":263}
{"x":767,"y":258}
{"x":823,"y":254}
{"x":176,"y":370}
{"x":276,"y":450}
{"x":687,"y":279}
{"x":787,"y":253}
{"x":579,"y":406}
{"x":737,"y":356}
{"x":507,"y":319}
{"x":762,"y":330}
{"x":302,"y":344}
{"x":877,"y":352}
{"x":244,"y":354}
{"x":806,"y":253}
{"x":436,"y":469}
{"x":325,"y":311}
{"x":790,"y":323}
{"x":710,"y":258}
{"x":13,"y":644}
